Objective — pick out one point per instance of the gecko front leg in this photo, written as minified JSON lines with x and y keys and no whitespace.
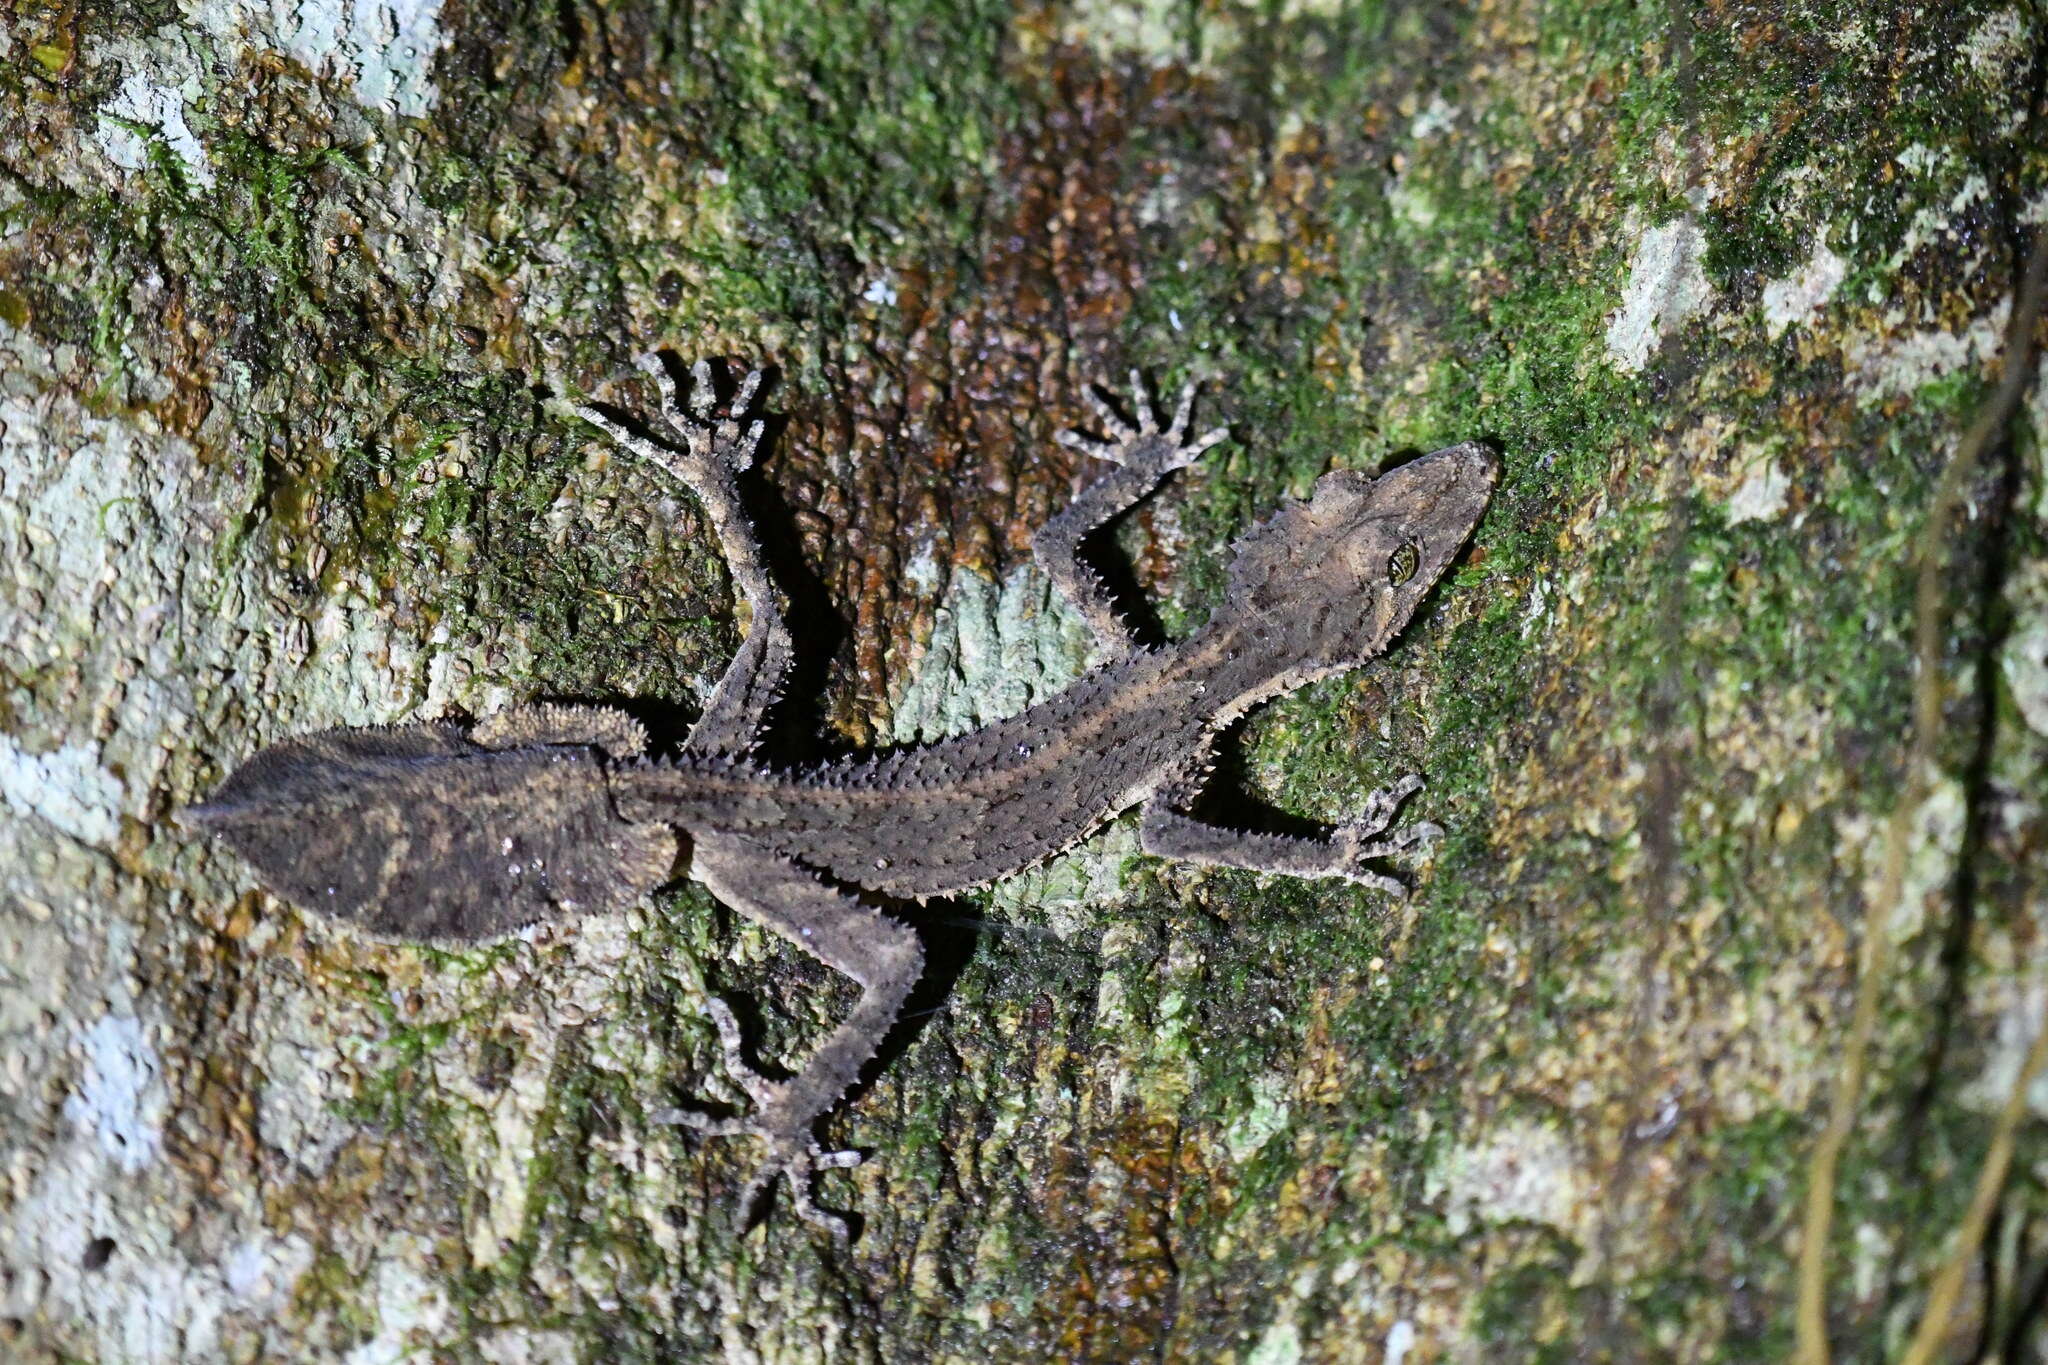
{"x":1146,"y":455}
{"x":714,"y":450}
{"x":1167,"y":832}
{"x":881,"y":955}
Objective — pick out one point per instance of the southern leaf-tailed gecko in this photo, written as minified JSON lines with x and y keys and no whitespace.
{"x":431,"y":831}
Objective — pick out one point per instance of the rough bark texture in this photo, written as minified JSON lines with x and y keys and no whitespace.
{"x":285,"y":291}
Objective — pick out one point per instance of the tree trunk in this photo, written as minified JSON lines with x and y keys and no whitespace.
{"x":289,"y":295}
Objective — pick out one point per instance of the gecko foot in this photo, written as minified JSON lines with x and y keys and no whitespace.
{"x":800,"y":1159}
{"x":779,"y":1122}
{"x":1381,"y":806}
{"x":715,"y":446}
{"x":1366,"y":839}
{"x":1144,"y":446}
{"x":707,"y":435}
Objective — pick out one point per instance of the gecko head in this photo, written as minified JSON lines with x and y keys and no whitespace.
{"x":420,"y":832}
{"x":1342,"y":572}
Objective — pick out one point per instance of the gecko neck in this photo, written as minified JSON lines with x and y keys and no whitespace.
{"x":1236,"y":662}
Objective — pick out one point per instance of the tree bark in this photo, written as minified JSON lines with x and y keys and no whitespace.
{"x":289,"y":295}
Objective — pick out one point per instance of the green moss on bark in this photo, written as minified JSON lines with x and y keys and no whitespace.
{"x":1557,"y":1107}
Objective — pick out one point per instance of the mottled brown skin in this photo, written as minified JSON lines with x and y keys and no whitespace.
{"x":425,"y":831}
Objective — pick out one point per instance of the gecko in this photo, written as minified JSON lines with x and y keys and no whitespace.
{"x":436,"y":831}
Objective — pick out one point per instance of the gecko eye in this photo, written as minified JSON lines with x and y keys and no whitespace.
{"x":1402,"y":564}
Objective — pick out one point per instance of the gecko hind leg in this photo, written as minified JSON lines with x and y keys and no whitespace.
{"x":1146,"y":455}
{"x":881,"y":955}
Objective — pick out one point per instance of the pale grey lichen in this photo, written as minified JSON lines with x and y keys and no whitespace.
{"x":528,"y":1346}
{"x":1998,"y":42}
{"x":385,"y":48}
{"x":1264,"y":1115}
{"x":2024,"y":658}
{"x":994,"y":650}
{"x":1667,"y":287}
{"x":1896,"y":363}
{"x":1763,"y":492}
{"x":67,"y":787}
{"x":1934,"y":833}
{"x":307,"y":1076}
{"x":1435,"y":117}
{"x":2037,"y":422}
{"x":119,"y":1097}
{"x":1279,"y":1344}
{"x":1410,"y":201}
{"x":147,"y":98}
{"x":413,"y":1312}
{"x":2012,"y":1037}
{"x":1155,"y":30}
{"x":1798,"y":299}
{"x":1520,"y":1170}
{"x":86,"y":1237}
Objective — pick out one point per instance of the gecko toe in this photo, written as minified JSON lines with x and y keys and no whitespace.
{"x":1392,"y":887}
{"x":845,"y":1159}
{"x":675,"y":1117}
{"x":840,"y":1230}
{"x":1419,"y":835}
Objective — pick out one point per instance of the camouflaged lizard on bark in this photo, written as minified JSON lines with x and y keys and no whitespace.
{"x":427,"y":831}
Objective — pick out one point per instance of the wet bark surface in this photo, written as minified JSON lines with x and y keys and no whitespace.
{"x":289,"y":298}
